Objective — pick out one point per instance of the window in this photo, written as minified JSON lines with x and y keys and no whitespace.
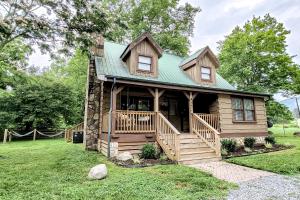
{"x":144,"y":63}
{"x":205,"y":73}
{"x":243,"y":109}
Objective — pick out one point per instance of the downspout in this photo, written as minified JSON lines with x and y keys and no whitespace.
{"x":110,"y":117}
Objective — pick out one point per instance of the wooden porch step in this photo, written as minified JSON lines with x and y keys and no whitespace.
{"x":189,"y":141}
{"x":198,"y":160}
{"x":188,"y":136}
{"x":208,"y":154}
{"x":192,"y":145}
{"x":196,"y":151}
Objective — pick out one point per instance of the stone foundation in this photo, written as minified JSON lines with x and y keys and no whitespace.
{"x":240,"y":140}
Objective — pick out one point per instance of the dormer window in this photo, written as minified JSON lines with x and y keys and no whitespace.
{"x":206,"y":73}
{"x":144,"y":63}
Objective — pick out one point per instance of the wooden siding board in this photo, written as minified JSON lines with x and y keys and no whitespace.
{"x":226,"y":118}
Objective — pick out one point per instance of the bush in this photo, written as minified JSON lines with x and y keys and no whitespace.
{"x":148,"y":151}
{"x":270,"y":139}
{"x":229,"y":145}
{"x":249,"y":142}
{"x":270,"y":133}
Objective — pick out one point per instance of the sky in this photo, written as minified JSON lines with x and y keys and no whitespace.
{"x":219,"y":17}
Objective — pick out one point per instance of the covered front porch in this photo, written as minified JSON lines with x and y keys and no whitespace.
{"x":164,"y":115}
{"x":136,"y":108}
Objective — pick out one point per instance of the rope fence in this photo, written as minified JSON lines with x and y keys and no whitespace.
{"x":8,"y":134}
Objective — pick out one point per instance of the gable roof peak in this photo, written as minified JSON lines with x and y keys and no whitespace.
{"x":199,"y":54}
{"x":142,"y":37}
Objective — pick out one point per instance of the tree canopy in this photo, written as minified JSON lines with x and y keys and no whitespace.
{"x":51,"y":23}
{"x":170,"y":24}
{"x":254,"y":57}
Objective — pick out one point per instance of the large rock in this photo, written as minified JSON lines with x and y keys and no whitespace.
{"x":98,"y":172}
{"x":125,"y":156}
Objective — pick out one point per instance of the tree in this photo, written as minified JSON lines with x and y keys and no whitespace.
{"x":254,"y":57}
{"x":40,"y":103}
{"x":278,"y":112}
{"x":72,"y":75}
{"x":13,"y":63}
{"x":51,"y":23}
{"x":170,"y":24}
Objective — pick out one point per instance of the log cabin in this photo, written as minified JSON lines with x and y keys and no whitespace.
{"x":138,"y":94}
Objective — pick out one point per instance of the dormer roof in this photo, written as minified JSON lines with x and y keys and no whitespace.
{"x":144,"y":36}
{"x":192,"y":59}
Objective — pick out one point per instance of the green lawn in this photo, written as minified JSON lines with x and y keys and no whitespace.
{"x":282,"y":162}
{"x":53,"y":169}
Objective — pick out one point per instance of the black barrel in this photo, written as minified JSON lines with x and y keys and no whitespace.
{"x":78,"y":137}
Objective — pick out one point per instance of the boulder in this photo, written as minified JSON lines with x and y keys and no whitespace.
{"x":124,"y":156}
{"x":98,"y":172}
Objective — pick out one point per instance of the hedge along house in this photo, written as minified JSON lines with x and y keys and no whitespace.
{"x":138,"y":94}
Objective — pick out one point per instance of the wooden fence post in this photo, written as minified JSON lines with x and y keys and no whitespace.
{"x":5,"y":136}
{"x":34,"y":134}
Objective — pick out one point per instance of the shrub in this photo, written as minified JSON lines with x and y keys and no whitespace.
{"x":148,"y":151}
{"x":224,"y":152}
{"x":270,"y":133}
{"x":249,"y":142}
{"x":270,"y":139}
{"x":297,"y":133}
{"x":229,"y":145}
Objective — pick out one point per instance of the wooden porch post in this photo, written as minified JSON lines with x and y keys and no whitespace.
{"x":191,"y":98}
{"x":116,"y":91}
{"x":156,"y":94}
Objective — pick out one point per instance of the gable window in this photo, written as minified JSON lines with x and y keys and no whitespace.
{"x":144,"y":63}
{"x":206,"y":73}
{"x":243,"y":109}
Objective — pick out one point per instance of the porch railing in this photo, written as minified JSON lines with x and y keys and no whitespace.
{"x":207,"y":133}
{"x":211,"y":119}
{"x":168,"y":137}
{"x":135,"y":121}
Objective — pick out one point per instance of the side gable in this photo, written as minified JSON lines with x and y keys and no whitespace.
{"x":144,"y":36}
{"x":143,"y":46}
{"x":203,"y":58}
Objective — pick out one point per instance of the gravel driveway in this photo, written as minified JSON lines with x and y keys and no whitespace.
{"x":254,"y":184}
{"x":267,"y":188}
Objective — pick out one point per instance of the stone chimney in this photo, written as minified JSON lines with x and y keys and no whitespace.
{"x":92,"y":99}
{"x":98,"y":48}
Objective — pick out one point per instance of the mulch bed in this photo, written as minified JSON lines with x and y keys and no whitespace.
{"x":142,"y":163}
{"x":258,"y":149}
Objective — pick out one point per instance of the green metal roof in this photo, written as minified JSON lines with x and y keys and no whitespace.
{"x":192,"y":57}
{"x":169,"y":72}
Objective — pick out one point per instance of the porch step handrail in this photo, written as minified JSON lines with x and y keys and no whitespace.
{"x":207,"y":133}
{"x":211,"y":119}
{"x":128,"y":121}
{"x":168,"y":137}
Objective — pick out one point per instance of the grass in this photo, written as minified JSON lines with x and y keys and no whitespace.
{"x":282,"y":162}
{"x":53,"y":169}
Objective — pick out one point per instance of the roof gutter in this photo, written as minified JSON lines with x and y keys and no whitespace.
{"x":110,"y":118}
{"x":111,"y":78}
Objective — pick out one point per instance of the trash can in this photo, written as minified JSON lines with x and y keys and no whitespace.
{"x":78,"y":137}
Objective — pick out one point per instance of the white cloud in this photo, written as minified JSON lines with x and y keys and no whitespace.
{"x":240,"y":4}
